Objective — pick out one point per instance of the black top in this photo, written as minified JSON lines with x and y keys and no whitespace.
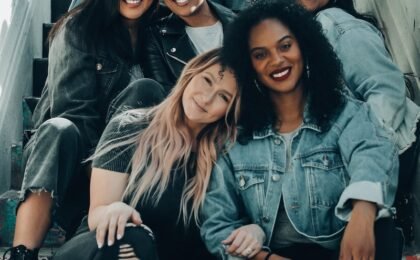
{"x":174,"y":239}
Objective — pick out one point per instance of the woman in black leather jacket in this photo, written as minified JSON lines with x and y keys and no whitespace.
{"x":170,"y":46}
{"x":94,"y":71}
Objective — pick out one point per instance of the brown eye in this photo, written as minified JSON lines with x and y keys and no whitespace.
{"x":207,"y":80}
{"x":259,"y":55}
{"x":285,"y":46}
{"x":224,"y":97}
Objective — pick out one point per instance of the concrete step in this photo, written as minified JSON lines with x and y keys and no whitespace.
{"x":46,"y":28}
{"x":39,"y":72}
{"x":58,"y":8}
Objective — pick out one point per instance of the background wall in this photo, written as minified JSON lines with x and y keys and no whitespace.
{"x":20,"y":41}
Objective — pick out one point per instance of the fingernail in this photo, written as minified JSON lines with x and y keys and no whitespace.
{"x":119,"y":236}
{"x":100,"y":245}
{"x":110,"y":242}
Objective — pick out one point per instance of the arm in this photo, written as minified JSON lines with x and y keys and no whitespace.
{"x":155,"y":66}
{"x":372,"y":165}
{"x":72,"y":85}
{"x":107,"y":214}
{"x":222,"y":211}
{"x":371,"y":159}
{"x":370,"y":73}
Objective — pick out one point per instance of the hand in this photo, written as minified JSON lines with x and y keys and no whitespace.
{"x":114,"y":220}
{"x":359,"y":239}
{"x":245,"y":241}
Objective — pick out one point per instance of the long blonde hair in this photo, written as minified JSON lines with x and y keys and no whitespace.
{"x":167,"y":143}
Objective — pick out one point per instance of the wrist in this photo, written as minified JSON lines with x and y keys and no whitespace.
{"x":268,"y":255}
{"x":364,"y":209}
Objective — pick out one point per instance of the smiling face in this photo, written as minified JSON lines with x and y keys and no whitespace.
{"x":134,"y":9}
{"x":184,"y":8}
{"x":312,"y":5}
{"x":207,"y":96}
{"x":276,"y":57}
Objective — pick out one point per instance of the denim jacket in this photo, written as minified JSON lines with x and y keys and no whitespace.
{"x":370,"y":74}
{"x":354,"y":159}
{"x":82,"y":81}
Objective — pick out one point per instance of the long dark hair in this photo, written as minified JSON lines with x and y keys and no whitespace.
{"x":100,"y":21}
{"x":348,"y":6}
{"x":323,"y":86}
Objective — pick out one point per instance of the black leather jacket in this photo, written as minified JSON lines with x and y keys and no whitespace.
{"x":168,"y":47}
{"x":82,"y":81}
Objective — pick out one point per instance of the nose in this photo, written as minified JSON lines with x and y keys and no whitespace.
{"x":277,"y":58}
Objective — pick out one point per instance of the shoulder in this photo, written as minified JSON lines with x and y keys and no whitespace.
{"x":224,"y":14}
{"x":128,"y":123}
{"x":70,"y":34}
{"x":353,"y":110}
{"x":337,"y":21}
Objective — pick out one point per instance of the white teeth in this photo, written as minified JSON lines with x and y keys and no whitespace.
{"x":132,"y":1}
{"x":181,"y":1}
{"x":281,"y":74}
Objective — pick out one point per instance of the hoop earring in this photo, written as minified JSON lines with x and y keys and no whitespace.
{"x":308,"y":70}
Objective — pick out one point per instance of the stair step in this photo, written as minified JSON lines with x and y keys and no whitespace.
{"x":40,"y":72}
{"x":16,"y":171}
{"x":58,"y":8}
{"x":46,"y":28}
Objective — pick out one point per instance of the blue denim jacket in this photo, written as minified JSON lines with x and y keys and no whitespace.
{"x":354,"y":159}
{"x":370,"y":74}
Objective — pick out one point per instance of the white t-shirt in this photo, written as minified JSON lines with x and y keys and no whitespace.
{"x":205,"y":38}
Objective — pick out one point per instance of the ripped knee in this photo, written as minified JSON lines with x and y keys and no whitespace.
{"x":126,"y":252}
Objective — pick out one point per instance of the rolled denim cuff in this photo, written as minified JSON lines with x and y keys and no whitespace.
{"x":362,"y":190}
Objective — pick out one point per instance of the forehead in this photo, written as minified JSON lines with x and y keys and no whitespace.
{"x":268,"y":30}
{"x":223,"y":76}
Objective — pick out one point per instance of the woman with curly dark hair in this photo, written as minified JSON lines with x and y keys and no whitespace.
{"x":312,"y":168}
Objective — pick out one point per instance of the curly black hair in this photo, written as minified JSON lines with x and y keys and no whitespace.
{"x":323,"y":88}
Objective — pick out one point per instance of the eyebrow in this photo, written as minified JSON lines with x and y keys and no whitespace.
{"x":280,"y":40}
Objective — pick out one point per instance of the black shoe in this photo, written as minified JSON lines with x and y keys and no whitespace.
{"x":20,"y":252}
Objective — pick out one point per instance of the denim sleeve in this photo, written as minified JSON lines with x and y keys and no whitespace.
{"x":370,"y":73}
{"x":222,"y":211}
{"x":72,"y":85}
{"x":371,"y":159}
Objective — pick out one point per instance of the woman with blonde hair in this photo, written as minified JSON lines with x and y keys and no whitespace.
{"x":158,"y":162}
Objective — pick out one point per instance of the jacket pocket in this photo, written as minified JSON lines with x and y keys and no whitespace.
{"x":251,"y":188}
{"x":105,"y":74}
{"x":325,"y":176}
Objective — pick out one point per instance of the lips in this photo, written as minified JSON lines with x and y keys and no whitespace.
{"x":281,"y":74}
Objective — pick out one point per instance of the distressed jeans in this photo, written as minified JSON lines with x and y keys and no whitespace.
{"x":54,"y":154}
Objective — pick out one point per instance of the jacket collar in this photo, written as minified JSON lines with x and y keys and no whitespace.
{"x":308,"y":123}
{"x":172,"y":24}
